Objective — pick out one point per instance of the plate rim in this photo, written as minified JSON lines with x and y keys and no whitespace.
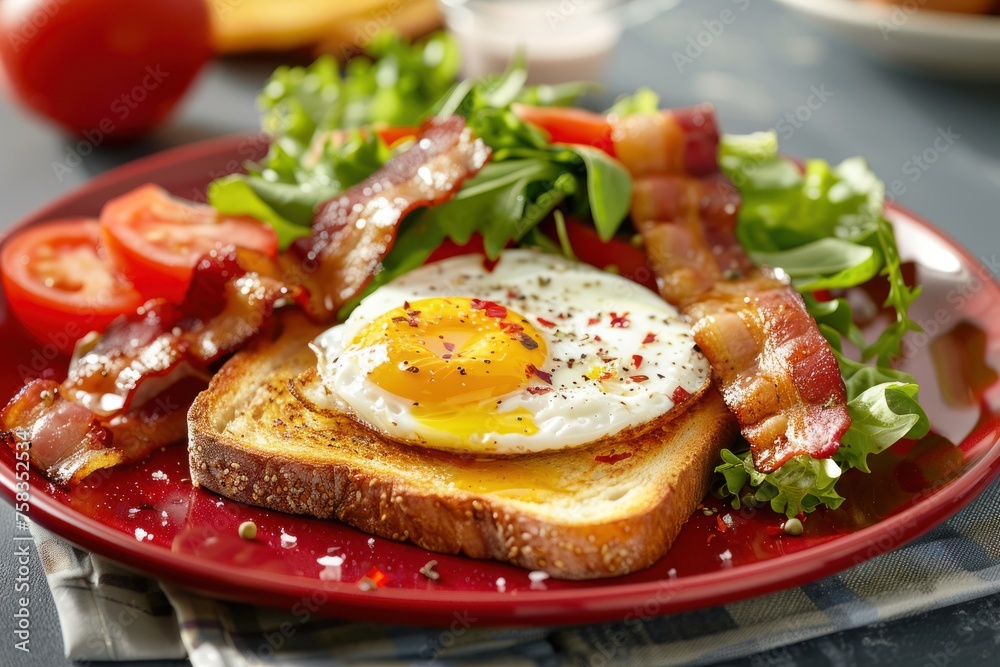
{"x":981,"y":28}
{"x":592,"y":604}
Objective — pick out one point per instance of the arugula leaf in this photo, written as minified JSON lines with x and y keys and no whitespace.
{"x":836,"y":320}
{"x":609,"y":190}
{"x":901,"y":297}
{"x":828,"y":263}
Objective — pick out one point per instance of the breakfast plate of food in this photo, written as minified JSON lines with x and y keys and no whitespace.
{"x":948,"y":38}
{"x":425,"y":347}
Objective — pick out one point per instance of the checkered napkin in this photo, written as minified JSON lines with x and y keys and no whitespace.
{"x":108,"y":613}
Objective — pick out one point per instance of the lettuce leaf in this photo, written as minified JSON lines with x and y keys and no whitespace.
{"x":798,"y":487}
{"x":309,"y":113}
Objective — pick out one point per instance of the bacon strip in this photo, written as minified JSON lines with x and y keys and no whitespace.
{"x":126,"y":394}
{"x":776,"y":371}
{"x":365,"y":218}
{"x":673,"y":141}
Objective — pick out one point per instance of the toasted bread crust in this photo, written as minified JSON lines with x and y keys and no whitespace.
{"x":566,"y":512}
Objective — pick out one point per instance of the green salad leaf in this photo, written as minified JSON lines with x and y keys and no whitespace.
{"x":313,"y":115}
{"x":321,"y":124}
{"x":823,"y":225}
{"x":798,"y":487}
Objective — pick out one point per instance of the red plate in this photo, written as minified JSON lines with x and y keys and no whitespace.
{"x":150,"y":517}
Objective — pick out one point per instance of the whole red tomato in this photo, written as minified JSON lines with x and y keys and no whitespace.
{"x":104,"y":69}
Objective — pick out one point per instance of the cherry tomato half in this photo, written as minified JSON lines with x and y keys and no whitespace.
{"x":156,"y":239}
{"x":627,"y":260}
{"x":567,"y":125}
{"x":103,"y":68}
{"x":60,"y":285}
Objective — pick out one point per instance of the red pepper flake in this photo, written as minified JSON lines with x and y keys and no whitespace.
{"x":774,"y":531}
{"x":538,"y":391}
{"x":406,"y":305}
{"x":376,"y":576}
{"x":540,"y":374}
{"x":594,"y":320}
{"x":546,"y":323}
{"x":722,"y":525}
{"x":612,"y":457}
{"x":511,"y":327}
{"x":636,"y":361}
{"x":638,"y":378}
{"x":680,"y":395}
{"x":492,"y":309}
{"x":597,"y":338}
{"x":620,"y":321}
{"x":650,"y":338}
{"x":511,"y":294}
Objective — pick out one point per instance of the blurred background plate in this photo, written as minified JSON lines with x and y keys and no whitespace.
{"x":962,"y":46}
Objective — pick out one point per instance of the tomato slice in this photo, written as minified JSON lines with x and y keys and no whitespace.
{"x":156,"y":239}
{"x":567,"y":125}
{"x":60,"y":285}
{"x":616,"y":254}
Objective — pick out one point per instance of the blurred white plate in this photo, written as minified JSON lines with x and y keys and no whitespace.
{"x":956,"y":45}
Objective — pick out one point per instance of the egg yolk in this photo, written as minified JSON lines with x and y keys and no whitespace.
{"x":453,"y":357}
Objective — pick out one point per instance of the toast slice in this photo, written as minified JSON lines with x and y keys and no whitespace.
{"x":577,"y":514}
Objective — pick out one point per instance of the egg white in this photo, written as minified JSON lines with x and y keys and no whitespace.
{"x":578,"y":410}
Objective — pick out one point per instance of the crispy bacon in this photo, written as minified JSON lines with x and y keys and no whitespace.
{"x":127,"y":392}
{"x":775,"y":369}
{"x":673,"y":141}
{"x":352,"y":233}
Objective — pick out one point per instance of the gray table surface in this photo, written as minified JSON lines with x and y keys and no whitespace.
{"x":763,"y":67}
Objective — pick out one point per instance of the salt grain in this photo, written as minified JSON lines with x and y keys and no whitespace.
{"x":428,"y":570}
{"x":537,"y":578}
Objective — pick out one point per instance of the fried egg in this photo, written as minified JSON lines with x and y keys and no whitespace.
{"x":540,"y":353}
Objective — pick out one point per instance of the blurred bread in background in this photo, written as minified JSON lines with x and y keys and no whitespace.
{"x":341,"y":27}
